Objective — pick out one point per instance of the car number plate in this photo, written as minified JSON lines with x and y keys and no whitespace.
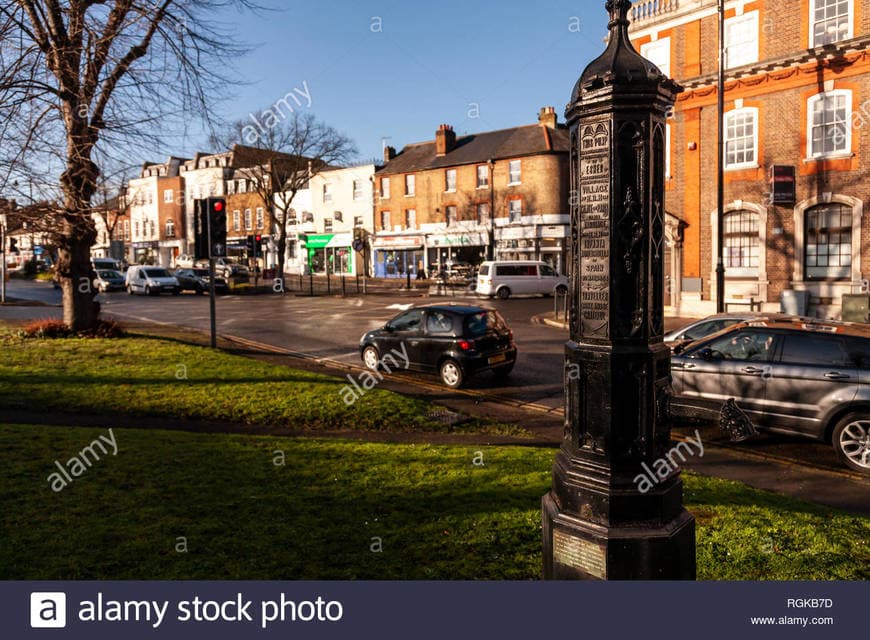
{"x":497,"y":359}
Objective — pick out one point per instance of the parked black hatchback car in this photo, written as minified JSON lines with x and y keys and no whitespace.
{"x":454,"y":341}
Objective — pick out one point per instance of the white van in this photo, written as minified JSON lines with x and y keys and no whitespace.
{"x":505,"y":279}
{"x":151,"y":281}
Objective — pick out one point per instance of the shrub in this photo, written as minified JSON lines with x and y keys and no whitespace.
{"x":49,"y":329}
{"x":45,"y":276}
{"x":45,"y":329}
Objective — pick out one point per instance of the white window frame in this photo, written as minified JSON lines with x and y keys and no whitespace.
{"x":260,"y":218}
{"x":451,"y":220}
{"x":410,"y":185}
{"x":327,"y":193}
{"x":484,"y":212}
{"x":750,"y":55}
{"x":243,"y":186}
{"x":411,"y":218}
{"x":659,"y":53}
{"x":512,"y":213}
{"x":483,"y":184}
{"x":812,"y":23}
{"x":237,"y":220}
{"x":450,"y":180}
{"x":668,"y":152}
{"x":385,"y":220}
{"x":249,"y":221}
{"x":518,"y":172}
{"x":168,"y":196}
{"x":169,"y":228}
{"x":847,"y":124}
{"x":385,"y":188}
{"x":734,"y":113}
{"x":357,"y":189}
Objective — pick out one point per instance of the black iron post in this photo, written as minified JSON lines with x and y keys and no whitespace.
{"x":607,"y":516}
{"x":491,"y":210}
{"x":720,"y":176}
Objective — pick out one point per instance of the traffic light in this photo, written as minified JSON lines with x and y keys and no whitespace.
{"x":217,"y":213}
{"x":249,"y":245}
{"x":200,"y":230}
{"x":13,"y":245}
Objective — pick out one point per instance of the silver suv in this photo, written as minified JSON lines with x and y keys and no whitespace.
{"x":797,"y":376}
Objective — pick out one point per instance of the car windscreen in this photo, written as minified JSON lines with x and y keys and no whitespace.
{"x":157,"y":273}
{"x":202,"y":273}
{"x":479,"y":324}
{"x":109,"y":274}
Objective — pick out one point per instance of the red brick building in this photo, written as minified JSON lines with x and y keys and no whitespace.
{"x":797,"y":96}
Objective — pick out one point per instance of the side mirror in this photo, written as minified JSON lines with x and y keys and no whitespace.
{"x":389,"y":328}
{"x":706,"y":353}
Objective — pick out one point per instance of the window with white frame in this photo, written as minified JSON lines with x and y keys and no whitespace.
{"x":385,"y":188}
{"x":261,"y":218}
{"x":150,"y":197}
{"x":237,"y":220}
{"x":410,"y":184}
{"x":410,"y":218}
{"x":829,"y":132}
{"x":170,"y":229}
{"x":327,"y":192}
{"x":385,"y":220}
{"x":741,"y":138}
{"x":828,"y":241}
{"x":667,"y":151}
{"x":450,"y":180}
{"x":168,"y":196}
{"x":515,"y":210}
{"x":830,"y":21}
{"x":741,"y":247}
{"x":741,"y":40}
{"x":515,"y":174}
{"x":242,"y":186}
{"x":482,"y":176}
{"x":483,"y":213}
{"x":450,"y":215}
{"x":248,"y":220}
{"x":357,"y":189}
{"x":659,"y":53}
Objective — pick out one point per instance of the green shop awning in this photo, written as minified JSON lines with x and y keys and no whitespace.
{"x":318,"y":241}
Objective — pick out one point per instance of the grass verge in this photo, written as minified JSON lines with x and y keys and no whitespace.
{"x":176,"y":505}
{"x":161,"y":377}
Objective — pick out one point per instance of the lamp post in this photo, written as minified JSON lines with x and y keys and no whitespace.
{"x":720,"y":176}
{"x":607,"y":516}
{"x":492,"y":209}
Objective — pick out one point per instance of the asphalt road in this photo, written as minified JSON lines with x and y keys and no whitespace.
{"x":329,"y":328}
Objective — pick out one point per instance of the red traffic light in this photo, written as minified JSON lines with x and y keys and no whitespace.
{"x":258,"y":238}
{"x":218,"y":206}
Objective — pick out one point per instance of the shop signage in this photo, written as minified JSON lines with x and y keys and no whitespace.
{"x":398,"y":242}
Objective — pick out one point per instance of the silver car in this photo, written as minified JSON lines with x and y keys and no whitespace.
{"x":797,"y":376}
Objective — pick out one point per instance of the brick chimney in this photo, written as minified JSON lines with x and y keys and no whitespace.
{"x":389,"y":154}
{"x":445,"y":140}
{"x":547,"y":117}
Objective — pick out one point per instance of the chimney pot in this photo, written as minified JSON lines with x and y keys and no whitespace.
{"x":547,"y":117}
{"x":445,"y":140}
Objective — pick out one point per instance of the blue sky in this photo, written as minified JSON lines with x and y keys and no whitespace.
{"x":430,"y":62}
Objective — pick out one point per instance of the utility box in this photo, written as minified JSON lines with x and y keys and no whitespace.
{"x":856,"y":307}
{"x":794,"y":303}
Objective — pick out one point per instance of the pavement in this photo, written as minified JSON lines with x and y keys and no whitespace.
{"x":305,"y":337}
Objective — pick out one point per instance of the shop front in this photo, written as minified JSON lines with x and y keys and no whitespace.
{"x":331,"y":253}
{"x":145,"y":252}
{"x":397,"y":256}
{"x":548,"y":243}
{"x":456,"y":251}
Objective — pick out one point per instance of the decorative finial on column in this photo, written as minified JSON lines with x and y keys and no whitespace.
{"x":618,"y":12}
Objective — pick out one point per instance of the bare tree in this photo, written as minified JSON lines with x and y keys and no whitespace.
{"x":293,"y":150}
{"x":82,"y":84}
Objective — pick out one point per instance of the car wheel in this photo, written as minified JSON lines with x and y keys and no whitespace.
{"x":502,"y":373}
{"x":451,"y":374}
{"x":851,"y":439}
{"x":129,"y":289}
{"x":200,"y":290}
{"x":504,"y":293}
{"x":147,"y":290}
{"x":561,"y":290}
{"x":371,"y":358}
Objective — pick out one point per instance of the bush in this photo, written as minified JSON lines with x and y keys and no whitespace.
{"x":45,"y":276}
{"x":50,"y":329}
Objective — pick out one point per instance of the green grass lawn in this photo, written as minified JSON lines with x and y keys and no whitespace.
{"x":325,"y":511}
{"x":162,"y":377}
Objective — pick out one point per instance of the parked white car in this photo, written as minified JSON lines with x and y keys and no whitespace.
{"x":508,"y":278}
{"x":184,"y":261}
{"x":151,"y":281}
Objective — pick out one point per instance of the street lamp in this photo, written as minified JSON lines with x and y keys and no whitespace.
{"x":491,"y":209}
{"x":720,"y":177}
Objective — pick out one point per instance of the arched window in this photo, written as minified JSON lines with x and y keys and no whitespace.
{"x":741,"y":246}
{"x":828,"y":242}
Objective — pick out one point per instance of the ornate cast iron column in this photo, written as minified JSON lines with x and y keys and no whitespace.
{"x":607,"y":516}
